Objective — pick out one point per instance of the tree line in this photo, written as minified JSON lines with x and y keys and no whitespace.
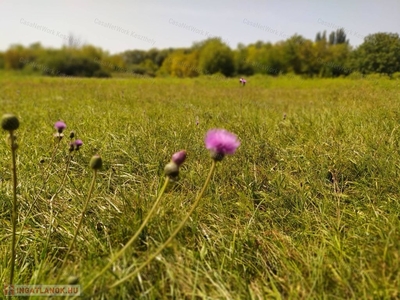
{"x":326,"y":56}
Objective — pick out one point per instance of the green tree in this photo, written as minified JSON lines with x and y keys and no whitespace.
{"x":216,"y":57}
{"x":292,"y":51}
{"x":379,"y":53}
{"x":340,"y":37}
{"x":332,"y":38}
{"x":242,"y":64}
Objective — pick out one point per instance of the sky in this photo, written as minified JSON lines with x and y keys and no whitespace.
{"x":120,"y":25}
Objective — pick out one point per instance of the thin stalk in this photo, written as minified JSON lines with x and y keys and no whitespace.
{"x":133,"y":238}
{"x":172,"y":236}
{"x":45,"y":179}
{"x":14,"y":206}
{"x":71,"y":245}
{"x":51,"y":161}
{"x":52,"y":218}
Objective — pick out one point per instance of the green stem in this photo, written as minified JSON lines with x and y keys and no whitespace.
{"x":52,"y":218}
{"x":133,"y":238}
{"x":45,"y":179}
{"x":172,"y":236}
{"x":78,"y":227}
{"x":51,"y":161}
{"x":14,"y":208}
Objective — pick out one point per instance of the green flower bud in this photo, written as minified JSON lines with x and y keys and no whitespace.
{"x":9,"y":122}
{"x":171,"y":170}
{"x":96,"y":162}
{"x":73,"y":279}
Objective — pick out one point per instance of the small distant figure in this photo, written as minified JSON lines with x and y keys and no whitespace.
{"x":242,"y":81}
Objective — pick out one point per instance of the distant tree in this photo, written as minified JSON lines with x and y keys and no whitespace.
{"x":332,"y":38}
{"x":308,"y":55}
{"x":318,"y":37}
{"x":181,"y":63}
{"x":324,"y":35}
{"x":242,"y":64}
{"x":73,"y":41}
{"x":292,"y":53}
{"x":336,"y":61}
{"x":379,"y":53}
{"x":216,"y":57}
{"x":134,"y":57}
{"x":1,"y":60}
{"x":161,"y":56}
{"x":340,"y":37}
{"x":17,"y":56}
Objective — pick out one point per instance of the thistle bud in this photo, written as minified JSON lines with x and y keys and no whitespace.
{"x":96,"y":162}
{"x":9,"y":122}
{"x":73,"y":279}
{"x":171,"y":170}
{"x":72,"y":135}
{"x":179,"y":157}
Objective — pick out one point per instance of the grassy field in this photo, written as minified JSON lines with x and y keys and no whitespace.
{"x":307,"y":208}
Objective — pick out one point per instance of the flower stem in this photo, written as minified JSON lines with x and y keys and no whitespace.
{"x":51,"y":161}
{"x":176,"y":231}
{"x":14,"y":206}
{"x":45,"y":179}
{"x":71,"y":245}
{"x":52,"y":217}
{"x":133,"y":238}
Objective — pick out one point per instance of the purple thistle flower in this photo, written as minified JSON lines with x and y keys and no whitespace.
{"x":179,"y":157}
{"x":75,"y":145}
{"x":60,"y":126}
{"x":78,"y":144}
{"x":221,"y":142}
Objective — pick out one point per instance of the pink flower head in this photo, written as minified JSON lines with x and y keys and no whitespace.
{"x":75,"y":145}
{"x":60,"y":126}
{"x":78,"y":144}
{"x":179,"y":157}
{"x":221,"y":142}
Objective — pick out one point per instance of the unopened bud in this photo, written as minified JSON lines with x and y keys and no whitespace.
{"x":96,"y":162}
{"x":171,"y":170}
{"x":179,"y":157}
{"x":73,"y":279}
{"x":9,"y":122}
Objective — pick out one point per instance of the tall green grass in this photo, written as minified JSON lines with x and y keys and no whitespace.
{"x":308,"y":208}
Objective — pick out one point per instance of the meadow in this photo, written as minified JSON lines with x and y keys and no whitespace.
{"x":307,"y":208}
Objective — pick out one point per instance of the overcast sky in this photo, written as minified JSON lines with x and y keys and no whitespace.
{"x":119,"y":25}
